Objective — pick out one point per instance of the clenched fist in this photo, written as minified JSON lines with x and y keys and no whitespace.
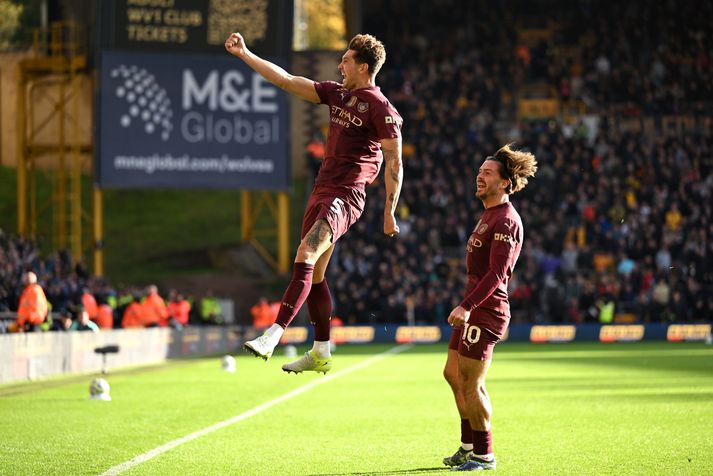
{"x":235,"y":44}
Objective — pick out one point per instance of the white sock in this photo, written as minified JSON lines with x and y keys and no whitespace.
{"x":275,"y":332}
{"x":467,"y":446}
{"x":321,"y":348}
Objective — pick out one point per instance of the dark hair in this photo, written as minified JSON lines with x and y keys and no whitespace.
{"x":515,"y":166}
{"x":368,"y":50}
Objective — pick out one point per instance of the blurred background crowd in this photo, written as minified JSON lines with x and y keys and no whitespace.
{"x":78,"y":301}
{"x":618,"y":221}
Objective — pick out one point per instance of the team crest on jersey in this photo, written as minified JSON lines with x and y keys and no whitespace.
{"x":352,"y":101}
{"x":363,"y":106}
{"x":481,"y":228}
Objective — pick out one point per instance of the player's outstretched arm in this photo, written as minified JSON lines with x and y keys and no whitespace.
{"x":297,"y":85}
{"x":393,"y":178}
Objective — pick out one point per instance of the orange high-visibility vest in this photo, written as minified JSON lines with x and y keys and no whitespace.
{"x":33,"y":306}
{"x":155,"y":311}
{"x":263,"y":315}
{"x":105,"y":317}
{"x":133,"y":315}
{"x":90,"y":305}
{"x":179,"y":311}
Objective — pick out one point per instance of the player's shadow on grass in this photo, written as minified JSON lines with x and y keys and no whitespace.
{"x":439,"y":469}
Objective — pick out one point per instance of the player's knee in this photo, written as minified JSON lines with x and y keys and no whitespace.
{"x":306,"y":254}
{"x":304,"y":257}
{"x":451,"y":377}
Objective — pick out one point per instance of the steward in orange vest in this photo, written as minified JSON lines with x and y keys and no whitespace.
{"x":33,"y":306}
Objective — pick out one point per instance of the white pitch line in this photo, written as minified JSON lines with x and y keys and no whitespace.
{"x":120,"y":468}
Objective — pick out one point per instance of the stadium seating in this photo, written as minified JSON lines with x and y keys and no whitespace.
{"x":620,"y":209}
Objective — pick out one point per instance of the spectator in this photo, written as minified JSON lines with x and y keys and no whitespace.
{"x":154,"y":309}
{"x":210,"y":309}
{"x":33,"y":307}
{"x":133,"y":314}
{"x":262,"y":314}
{"x":178,"y":309}
{"x":89,"y":303}
{"x":83,"y":323}
{"x":64,"y":323}
{"x":105,"y":316}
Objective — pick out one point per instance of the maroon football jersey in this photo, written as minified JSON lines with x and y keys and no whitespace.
{"x":491,"y":253}
{"x":357,"y":121}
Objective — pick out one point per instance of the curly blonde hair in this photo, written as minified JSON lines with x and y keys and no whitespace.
{"x":516,"y":166}
{"x":368,"y":50}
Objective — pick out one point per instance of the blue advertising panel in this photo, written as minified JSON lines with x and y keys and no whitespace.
{"x":189,"y":121}
{"x":537,"y":334}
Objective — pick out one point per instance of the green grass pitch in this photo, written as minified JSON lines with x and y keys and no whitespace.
{"x":575,"y":409}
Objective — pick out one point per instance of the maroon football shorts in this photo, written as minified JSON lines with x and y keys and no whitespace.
{"x":477,"y":338}
{"x":341,"y":208}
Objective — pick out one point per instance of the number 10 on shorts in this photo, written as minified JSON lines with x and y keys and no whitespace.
{"x":471,"y":334}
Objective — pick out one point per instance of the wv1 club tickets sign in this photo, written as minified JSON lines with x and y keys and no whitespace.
{"x":189,"y":121}
{"x":195,"y":26}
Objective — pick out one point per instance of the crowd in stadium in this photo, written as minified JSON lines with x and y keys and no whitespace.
{"x":617,"y":223}
{"x":625,"y":220}
{"x":77,"y":301}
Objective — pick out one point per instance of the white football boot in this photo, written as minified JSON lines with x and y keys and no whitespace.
{"x":310,"y":363}
{"x":261,"y":346}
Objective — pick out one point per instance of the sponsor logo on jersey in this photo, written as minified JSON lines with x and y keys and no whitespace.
{"x":502,"y":237}
{"x":473,"y":242}
{"x":389,"y":120}
{"x":344,"y":118}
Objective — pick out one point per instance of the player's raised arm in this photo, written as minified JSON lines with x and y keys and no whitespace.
{"x":297,"y":85}
{"x":393,"y":177}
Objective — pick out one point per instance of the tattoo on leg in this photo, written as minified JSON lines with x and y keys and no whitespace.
{"x":325,"y":231}
{"x":312,"y":239}
{"x":319,"y":232}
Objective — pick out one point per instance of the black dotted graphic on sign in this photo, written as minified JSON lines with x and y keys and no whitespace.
{"x":148,"y":104}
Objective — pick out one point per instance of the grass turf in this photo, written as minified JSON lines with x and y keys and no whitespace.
{"x":559,"y":409}
{"x":151,"y":234}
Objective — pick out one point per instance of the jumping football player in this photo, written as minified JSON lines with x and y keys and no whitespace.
{"x":364,"y":131}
